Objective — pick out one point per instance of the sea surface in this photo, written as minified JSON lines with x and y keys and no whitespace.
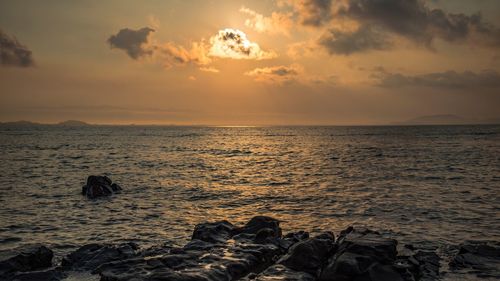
{"x":433,"y":185}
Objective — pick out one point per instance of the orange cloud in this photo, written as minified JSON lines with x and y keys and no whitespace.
{"x":276,"y":74}
{"x":276,"y":23}
{"x":234,"y":44}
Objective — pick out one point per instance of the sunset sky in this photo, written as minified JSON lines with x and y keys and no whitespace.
{"x":249,"y":62}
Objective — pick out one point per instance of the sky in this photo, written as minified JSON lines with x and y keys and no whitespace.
{"x":283,"y":62}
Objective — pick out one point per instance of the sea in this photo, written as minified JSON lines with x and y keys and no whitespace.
{"x":431,"y":186}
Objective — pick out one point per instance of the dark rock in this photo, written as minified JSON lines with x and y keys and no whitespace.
{"x":213,"y":232}
{"x":480,"y":257}
{"x":214,"y":253}
{"x":41,"y":275}
{"x":362,"y":255}
{"x":25,"y":259}
{"x":281,"y":272}
{"x":90,"y":256}
{"x":310,"y":254}
{"x":259,"y":223}
{"x":99,"y":186}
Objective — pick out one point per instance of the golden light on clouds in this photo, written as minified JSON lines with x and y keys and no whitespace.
{"x":263,"y":62}
{"x":234,"y":44}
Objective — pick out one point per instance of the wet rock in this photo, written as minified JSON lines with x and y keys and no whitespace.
{"x":24,"y":259}
{"x":479,"y":257}
{"x":214,"y":232}
{"x":362,"y":255}
{"x":91,"y":256}
{"x":218,"y":251}
{"x":281,"y":272}
{"x":310,"y":254}
{"x":99,"y":186}
{"x":260,"y":223}
{"x":53,"y":274}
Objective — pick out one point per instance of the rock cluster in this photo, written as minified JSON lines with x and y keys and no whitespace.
{"x":478,"y":257}
{"x":256,"y":251}
{"x":99,"y":186}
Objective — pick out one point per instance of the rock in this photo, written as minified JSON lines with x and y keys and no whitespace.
{"x":480,"y":257}
{"x":363,"y":255}
{"x":25,"y":259}
{"x":41,"y":275}
{"x":281,"y":272}
{"x":89,"y":257}
{"x":213,"y":232}
{"x":310,"y":254}
{"x":99,"y":186}
{"x":217,"y":251}
{"x":259,"y":223}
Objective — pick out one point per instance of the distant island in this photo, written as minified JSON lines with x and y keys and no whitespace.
{"x":73,"y":123}
{"x":446,"y":119}
{"x":24,"y":123}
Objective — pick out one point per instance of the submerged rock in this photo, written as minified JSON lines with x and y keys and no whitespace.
{"x":99,"y":186}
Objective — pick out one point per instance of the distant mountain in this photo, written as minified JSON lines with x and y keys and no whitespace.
{"x":24,"y":123}
{"x":20,"y":123}
{"x":444,"y":119}
{"x":73,"y":123}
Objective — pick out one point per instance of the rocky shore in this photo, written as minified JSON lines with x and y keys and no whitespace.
{"x":256,"y":251}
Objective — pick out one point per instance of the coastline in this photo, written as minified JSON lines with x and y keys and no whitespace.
{"x":257,"y":250}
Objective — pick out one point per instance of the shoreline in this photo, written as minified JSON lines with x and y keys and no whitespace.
{"x":256,"y":251}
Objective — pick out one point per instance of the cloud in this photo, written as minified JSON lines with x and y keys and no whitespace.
{"x":133,"y":42}
{"x":173,"y":55}
{"x":233,"y":43}
{"x":302,"y":49}
{"x":347,"y":42}
{"x":13,"y":53}
{"x":415,"y":21}
{"x":209,"y":69}
{"x":448,"y":79}
{"x":276,"y":74}
{"x":313,"y":12}
{"x":139,"y":44}
{"x":276,"y":23}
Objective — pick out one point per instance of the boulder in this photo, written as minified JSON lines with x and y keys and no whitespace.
{"x":217,"y":251}
{"x":99,"y":186}
{"x":28,"y":258}
{"x":281,"y":272}
{"x":261,"y":223}
{"x":479,"y":257}
{"x":90,"y":256}
{"x":363,"y":255}
{"x":213,"y":232}
{"x":310,"y":254}
{"x":52,"y":274}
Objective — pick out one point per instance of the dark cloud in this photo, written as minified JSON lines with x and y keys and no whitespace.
{"x":134,"y":42}
{"x":276,"y":74}
{"x":14,"y":53}
{"x":410,"y":19}
{"x":414,"y":20}
{"x":346,"y":43}
{"x":314,"y":12}
{"x":448,"y":79}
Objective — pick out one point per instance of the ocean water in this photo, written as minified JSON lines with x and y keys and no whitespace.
{"x":433,"y":185}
